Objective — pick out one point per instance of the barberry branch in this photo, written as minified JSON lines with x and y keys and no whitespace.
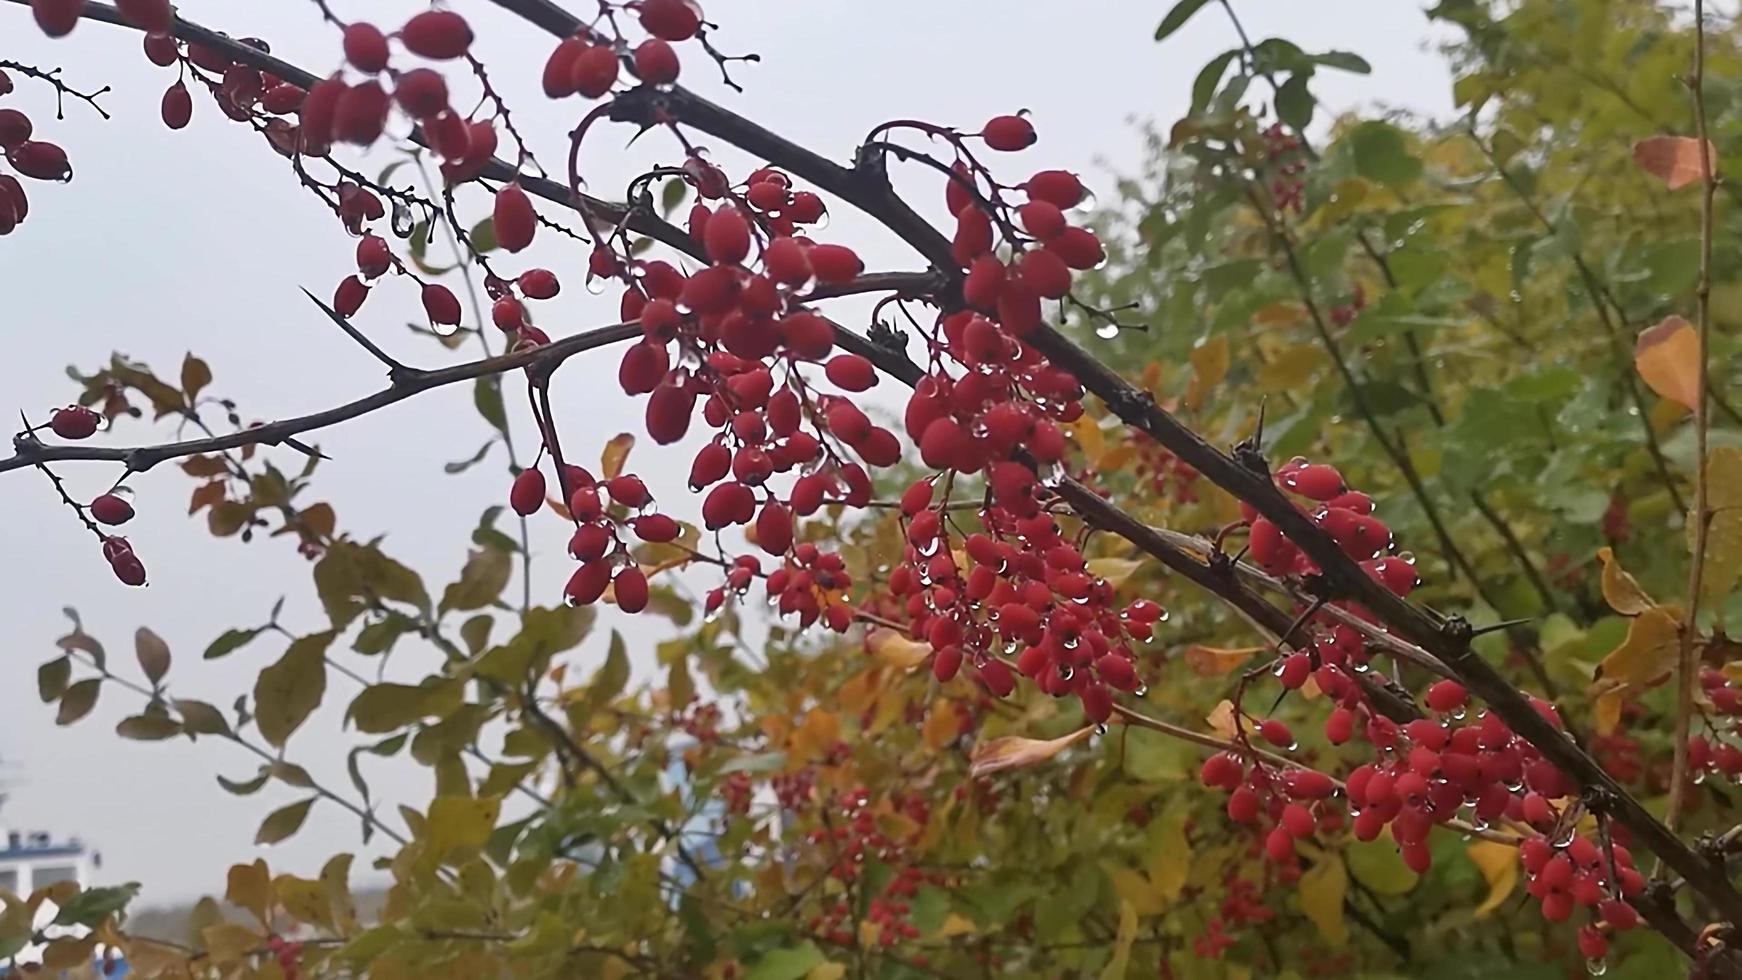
{"x":61,"y":88}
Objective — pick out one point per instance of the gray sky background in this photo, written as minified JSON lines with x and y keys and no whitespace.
{"x":197,"y":240}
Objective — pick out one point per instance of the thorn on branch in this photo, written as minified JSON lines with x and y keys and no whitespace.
{"x":721,"y":59}
{"x":396,"y":372}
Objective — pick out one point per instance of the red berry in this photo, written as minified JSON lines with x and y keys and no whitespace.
{"x":835,"y":263}
{"x":985,"y":280}
{"x":422,"y":93}
{"x":1043,"y":219}
{"x":1447,"y":696}
{"x":111,"y":509}
{"x":670,"y":20}
{"x":160,"y":50}
{"x":656,"y":62}
{"x":539,"y":284}
{"x":1244,"y":805}
{"x":1279,"y":845}
{"x":361,"y":113}
{"x":787,"y":262}
{"x":366,"y":47}
{"x":727,"y":236}
{"x":628,"y":491}
{"x":1078,"y":247}
{"x":630,"y":588}
{"x":15,"y":128}
{"x":851,"y":372}
{"x":1059,"y":188}
{"x":595,"y":71}
{"x":178,"y":106}
{"x":559,"y":68}
{"x":317,"y":112}
{"x":1009,"y":133}
{"x":57,"y":17}
{"x":440,"y":304}
{"x":154,"y":17}
{"x":588,"y":583}
{"x":643,"y":367}
{"x":1276,"y":733}
{"x":1319,"y":481}
{"x":374,"y":258}
{"x":514,"y":218}
{"x":349,"y":297}
{"x":283,"y":99}
{"x":40,"y":160}
{"x":436,"y":34}
{"x":74,"y":422}
{"x":526,"y":496}
{"x":657,"y":528}
{"x":129,"y":569}
{"x":774,"y":528}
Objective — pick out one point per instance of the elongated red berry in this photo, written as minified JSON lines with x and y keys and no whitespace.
{"x":57,"y":18}
{"x":1447,"y":696}
{"x":514,"y":217}
{"x":1060,"y":188}
{"x":656,"y":62}
{"x":835,"y":263}
{"x":349,"y":297}
{"x":361,"y":113}
{"x":1318,"y":481}
{"x":851,"y":372}
{"x":111,"y":509}
{"x":630,"y":588}
{"x":366,"y":47}
{"x":787,"y":262}
{"x":15,"y":130}
{"x":440,"y":304}
{"x":727,"y":236}
{"x":178,"y":106}
{"x":595,"y":71}
{"x":374,"y":258}
{"x":1045,"y":273}
{"x":670,"y":20}
{"x":318,"y":109}
{"x":1078,"y":247}
{"x":774,"y":528}
{"x":40,"y":160}
{"x":539,"y":284}
{"x":559,"y":69}
{"x":422,"y":93}
{"x":74,"y":422}
{"x":526,"y":496}
{"x":1043,"y":219}
{"x":436,"y":34}
{"x":588,"y":583}
{"x":1009,"y":133}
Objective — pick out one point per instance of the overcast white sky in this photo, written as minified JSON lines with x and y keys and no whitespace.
{"x":198,"y":240}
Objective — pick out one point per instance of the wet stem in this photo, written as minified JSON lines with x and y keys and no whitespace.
{"x":1687,"y":668}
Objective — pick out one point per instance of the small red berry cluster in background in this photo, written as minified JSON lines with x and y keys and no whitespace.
{"x":1167,"y":476}
{"x":1283,"y":153}
{"x":1343,"y":314}
{"x":1717,"y":751}
{"x":850,"y":839}
{"x":1243,"y":905}
{"x":288,"y":955}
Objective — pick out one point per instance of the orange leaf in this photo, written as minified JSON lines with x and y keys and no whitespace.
{"x":896,"y":650}
{"x":1013,"y":752}
{"x":1668,"y":358}
{"x":1620,"y":589}
{"x":1216,"y":661}
{"x":1674,"y":159}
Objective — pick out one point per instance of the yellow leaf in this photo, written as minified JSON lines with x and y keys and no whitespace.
{"x":288,"y":691}
{"x":954,"y":925}
{"x":1134,"y":889}
{"x":1290,"y":368}
{"x":1115,"y":458}
{"x":1210,"y":361}
{"x":1644,"y":657}
{"x":1620,"y":589}
{"x":250,"y":887}
{"x":1116,"y":571}
{"x":1012,"y":752}
{"x":942,"y":724}
{"x":227,"y":942}
{"x":304,"y":900}
{"x":1087,"y":431}
{"x":814,"y":738}
{"x":1221,"y":720}
{"x":1282,"y":313}
{"x":1675,"y":160}
{"x":1122,"y":941}
{"x":1322,"y":889}
{"x":1499,"y":864}
{"x":68,"y":952}
{"x":1724,"y":533}
{"x":615,"y":455}
{"x":826,"y":971}
{"x":1216,"y":661}
{"x":458,"y":821}
{"x":1170,"y":856}
{"x":896,"y":650}
{"x":1667,"y":357}
{"x":1608,"y":708}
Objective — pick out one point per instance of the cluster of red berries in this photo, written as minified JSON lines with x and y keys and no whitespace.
{"x":811,"y":584}
{"x":288,"y":955}
{"x":1168,"y":476}
{"x":32,"y":158}
{"x":589,"y":65}
{"x":852,"y":837}
{"x":1282,"y":152}
{"x":1343,"y":314}
{"x":1025,"y":588}
{"x":602,"y":512}
{"x":1581,"y":873}
{"x":1717,"y":751}
{"x":1242,"y":905}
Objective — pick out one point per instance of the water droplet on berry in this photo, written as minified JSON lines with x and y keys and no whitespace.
{"x":445,"y":329}
{"x":1362,"y":667}
{"x":402,"y":220}
{"x":1066,"y":673}
{"x":1100,"y":729}
{"x":1163,"y":617}
{"x":569,"y":600}
{"x":1596,"y":968}
{"x":1700,"y":777}
{"x":821,"y":224}
{"x":1107,"y":331}
{"x":597,"y":285}
{"x":1141,"y":692}
{"x":1458,"y":714}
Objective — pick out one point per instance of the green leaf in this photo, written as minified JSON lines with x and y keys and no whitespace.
{"x":487,"y":398}
{"x":476,"y":632}
{"x":229,"y":642}
{"x":382,"y":708}
{"x":483,"y":236}
{"x":1344,"y":61}
{"x":148,"y":728}
{"x":1177,"y":17}
{"x":462,"y":465}
{"x":794,"y":962}
{"x":1382,"y":155}
{"x":248,"y":787}
{"x":93,"y":905}
{"x":1210,"y":76}
{"x":1294,"y":104}
{"x":153,"y":654}
{"x":672,"y":195}
{"x":613,"y":675}
{"x":283,"y":822}
{"x":482,"y":579}
{"x":378,"y":637}
{"x":52,"y":678}
{"x":458,"y":822}
{"x":195,"y":375}
{"x":78,"y":701}
{"x":1378,"y":865}
{"x":287,"y":692}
